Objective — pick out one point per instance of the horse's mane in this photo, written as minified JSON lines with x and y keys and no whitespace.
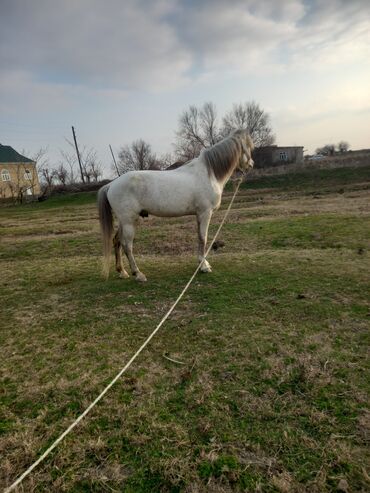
{"x":224,"y":156}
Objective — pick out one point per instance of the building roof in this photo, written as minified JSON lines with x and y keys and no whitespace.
{"x":10,"y":155}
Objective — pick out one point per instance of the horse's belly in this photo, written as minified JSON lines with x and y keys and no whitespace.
{"x":168,"y":199}
{"x":170,"y":209}
{"x":172,"y":213}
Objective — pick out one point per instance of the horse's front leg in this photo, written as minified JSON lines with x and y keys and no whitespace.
{"x":118,"y":253}
{"x":203,"y":220}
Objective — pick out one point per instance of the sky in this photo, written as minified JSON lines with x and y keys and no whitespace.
{"x":120,"y":70}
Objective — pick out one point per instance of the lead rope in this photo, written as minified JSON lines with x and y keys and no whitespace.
{"x":119,"y":374}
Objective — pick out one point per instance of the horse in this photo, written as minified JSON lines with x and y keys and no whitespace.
{"x":192,"y":189}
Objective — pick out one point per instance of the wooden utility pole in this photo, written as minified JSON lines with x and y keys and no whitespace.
{"x":114,"y":159}
{"x":78,"y":155}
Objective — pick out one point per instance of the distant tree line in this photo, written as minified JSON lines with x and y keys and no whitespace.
{"x":66,"y":171}
{"x":198,"y":127}
{"x":331,"y":149}
{"x":139,"y":156}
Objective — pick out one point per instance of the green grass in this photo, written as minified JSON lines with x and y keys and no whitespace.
{"x":271,"y":389}
{"x":317,"y":180}
{"x":314,"y":231}
{"x":64,"y":200}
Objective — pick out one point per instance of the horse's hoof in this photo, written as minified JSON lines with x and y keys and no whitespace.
{"x":206,"y":267}
{"x":140,"y":277}
{"x":124,"y":275}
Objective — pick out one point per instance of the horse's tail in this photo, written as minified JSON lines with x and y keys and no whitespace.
{"x":106,"y":227}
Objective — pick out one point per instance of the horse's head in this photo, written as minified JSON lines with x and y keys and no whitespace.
{"x":246,"y":162}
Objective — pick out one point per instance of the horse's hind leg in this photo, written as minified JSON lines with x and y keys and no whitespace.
{"x":118,"y":253}
{"x":127,"y":240}
{"x":203,"y":220}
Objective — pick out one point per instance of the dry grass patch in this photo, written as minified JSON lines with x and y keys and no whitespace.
{"x":257,"y":382}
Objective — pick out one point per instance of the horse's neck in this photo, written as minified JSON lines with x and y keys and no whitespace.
{"x":223,"y":182}
{"x":204,"y":174}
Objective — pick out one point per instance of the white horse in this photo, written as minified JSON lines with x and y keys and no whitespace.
{"x":193,"y":189}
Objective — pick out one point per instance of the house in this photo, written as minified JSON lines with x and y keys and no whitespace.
{"x":18,"y":175}
{"x":268,"y":156}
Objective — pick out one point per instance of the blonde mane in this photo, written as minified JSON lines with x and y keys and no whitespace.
{"x":222,"y":158}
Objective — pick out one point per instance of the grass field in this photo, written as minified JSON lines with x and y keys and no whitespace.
{"x":270,"y":389}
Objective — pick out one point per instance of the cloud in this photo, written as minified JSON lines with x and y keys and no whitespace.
{"x":108,"y":44}
{"x":161,"y":45}
{"x":260,"y":37}
{"x":115,"y":63}
{"x":239,"y":34}
{"x":332,"y":33}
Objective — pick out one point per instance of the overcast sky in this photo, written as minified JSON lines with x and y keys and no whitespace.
{"x":119,"y":70}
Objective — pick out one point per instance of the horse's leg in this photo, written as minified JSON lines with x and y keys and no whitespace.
{"x":127,"y":240}
{"x":118,"y":253}
{"x":203,"y":220}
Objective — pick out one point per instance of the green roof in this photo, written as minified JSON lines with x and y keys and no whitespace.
{"x":9,"y":155}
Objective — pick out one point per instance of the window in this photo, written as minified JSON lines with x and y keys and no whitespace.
{"x":5,"y":175}
{"x":283,"y":156}
{"x":28,"y":174}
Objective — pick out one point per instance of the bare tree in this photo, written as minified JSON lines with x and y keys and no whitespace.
{"x":343,"y":146}
{"x":13,"y":189}
{"x":208,"y":122}
{"x":137,"y":156}
{"x":69,"y":161}
{"x":27,"y":178}
{"x":48,"y":176}
{"x":91,"y":166}
{"x":16,"y":187}
{"x":253,"y":118}
{"x":198,"y":128}
{"x":326,"y":150}
{"x":329,"y":149}
{"x":61,"y":174}
{"x":46,"y":172}
{"x":41,"y":158}
{"x":95,"y":170}
{"x":186,"y":150}
{"x":165,"y":160}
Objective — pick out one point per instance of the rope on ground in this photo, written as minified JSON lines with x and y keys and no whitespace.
{"x":120,"y":373}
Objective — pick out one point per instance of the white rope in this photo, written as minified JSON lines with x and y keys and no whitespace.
{"x":119,"y":374}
